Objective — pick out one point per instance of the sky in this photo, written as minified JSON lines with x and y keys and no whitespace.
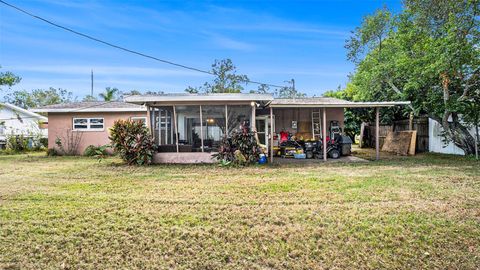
{"x":269,"y":41}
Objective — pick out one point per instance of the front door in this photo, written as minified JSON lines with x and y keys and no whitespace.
{"x":262,"y":124}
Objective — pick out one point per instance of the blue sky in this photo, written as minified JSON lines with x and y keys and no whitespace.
{"x":270,"y":41}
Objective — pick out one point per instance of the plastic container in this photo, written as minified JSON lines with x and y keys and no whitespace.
{"x":263,"y":159}
{"x":300,"y":156}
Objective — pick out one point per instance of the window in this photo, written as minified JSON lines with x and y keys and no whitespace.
{"x":139,"y":118}
{"x":88,"y":124}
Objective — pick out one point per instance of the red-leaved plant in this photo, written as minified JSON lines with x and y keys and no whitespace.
{"x":132,"y":141}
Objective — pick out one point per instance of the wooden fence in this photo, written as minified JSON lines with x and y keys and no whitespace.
{"x":419,"y":124}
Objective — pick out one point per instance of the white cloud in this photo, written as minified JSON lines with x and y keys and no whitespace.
{"x":229,"y":43}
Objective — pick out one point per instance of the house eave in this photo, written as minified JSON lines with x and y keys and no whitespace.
{"x":340,"y":105}
{"x":90,"y":110}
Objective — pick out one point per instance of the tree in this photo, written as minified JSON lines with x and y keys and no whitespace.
{"x":110,"y":94}
{"x":39,"y":97}
{"x":226,"y":79}
{"x":9,"y":79}
{"x":289,"y":92}
{"x":428,"y":54}
{"x":262,"y":89}
{"x":129,"y":93}
{"x":89,"y":98}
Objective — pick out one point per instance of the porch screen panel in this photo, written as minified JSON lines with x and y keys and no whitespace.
{"x":189,"y":128}
{"x":164,"y":131}
{"x":213,"y":126}
{"x":237,"y":114}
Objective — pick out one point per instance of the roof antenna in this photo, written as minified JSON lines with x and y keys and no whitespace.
{"x":91,"y":78}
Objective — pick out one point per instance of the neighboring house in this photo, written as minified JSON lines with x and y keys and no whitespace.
{"x":18,"y":121}
{"x":81,"y":124}
{"x":436,"y":140}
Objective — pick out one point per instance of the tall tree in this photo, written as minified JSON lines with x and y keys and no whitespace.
{"x":289,"y":92}
{"x":39,"y":97}
{"x":89,"y":98}
{"x":226,"y":79}
{"x":8,"y":79}
{"x":110,"y":94}
{"x":428,"y":54}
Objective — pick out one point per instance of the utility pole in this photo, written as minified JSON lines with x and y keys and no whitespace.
{"x":293,"y":85}
{"x":91,"y":78}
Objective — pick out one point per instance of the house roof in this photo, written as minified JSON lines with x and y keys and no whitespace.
{"x":92,"y":106}
{"x":22,"y":110}
{"x":198,"y":98}
{"x":267,"y":99}
{"x":327,"y":102}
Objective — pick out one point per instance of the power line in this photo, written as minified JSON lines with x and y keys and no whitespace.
{"x":123,"y":48}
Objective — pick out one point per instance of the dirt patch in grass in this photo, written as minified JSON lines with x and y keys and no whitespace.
{"x":70,"y":212}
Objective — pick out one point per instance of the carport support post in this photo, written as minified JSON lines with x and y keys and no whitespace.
{"x":201,"y":126}
{"x":377,"y":133}
{"x":324,"y":133}
{"x":175,"y":123}
{"x":271,"y":135}
{"x":149,"y":120}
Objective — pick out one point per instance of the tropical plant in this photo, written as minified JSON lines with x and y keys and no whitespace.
{"x":132,"y":141}
{"x":240,"y":149}
{"x":96,"y":151}
{"x":110,"y":94}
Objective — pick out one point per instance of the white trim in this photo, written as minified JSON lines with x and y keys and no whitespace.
{"x":28,"y":112}
{"x":139,"y":118}
{"x":220,"y":97}
{"x":342,"y":105}
{"x":88,"y":124}
{"x":90,"y":110}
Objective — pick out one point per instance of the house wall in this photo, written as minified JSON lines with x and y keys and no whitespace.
{"x":303,"y":116}
{"x":26,"y":125}
{"x":59,"y":124}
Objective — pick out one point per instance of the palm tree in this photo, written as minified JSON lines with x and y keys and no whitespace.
{"x":110,"y":94}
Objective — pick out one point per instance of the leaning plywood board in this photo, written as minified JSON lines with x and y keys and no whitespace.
{"x":399,"y":142}
{"x":413,"y":143}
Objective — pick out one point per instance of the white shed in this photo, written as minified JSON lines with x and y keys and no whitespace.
{"x":435,"y":140}
{"x":18,"y":121}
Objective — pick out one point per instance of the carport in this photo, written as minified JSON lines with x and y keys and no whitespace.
{"x":320,"y":110}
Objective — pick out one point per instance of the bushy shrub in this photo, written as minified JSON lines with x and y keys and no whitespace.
{"x":17,"y":143}
{"x":132,"y":141}
{"x":51,"y":152}
{"x":96,"y":151}
{"x":240,"y":149}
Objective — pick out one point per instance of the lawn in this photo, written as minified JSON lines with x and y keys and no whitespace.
{"x":420,"y":212}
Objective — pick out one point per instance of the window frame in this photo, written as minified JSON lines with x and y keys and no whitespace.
{"x":88,"y":124}
{"x":136,"y":118}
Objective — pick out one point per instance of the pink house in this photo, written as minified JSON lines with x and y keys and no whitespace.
{"x":81,"y":124}
{"x":189,"y":128}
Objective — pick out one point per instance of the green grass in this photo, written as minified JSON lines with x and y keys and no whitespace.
{"x":419,"y":212}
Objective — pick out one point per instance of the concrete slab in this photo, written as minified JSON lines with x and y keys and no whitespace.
{"x":183,"y":158}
